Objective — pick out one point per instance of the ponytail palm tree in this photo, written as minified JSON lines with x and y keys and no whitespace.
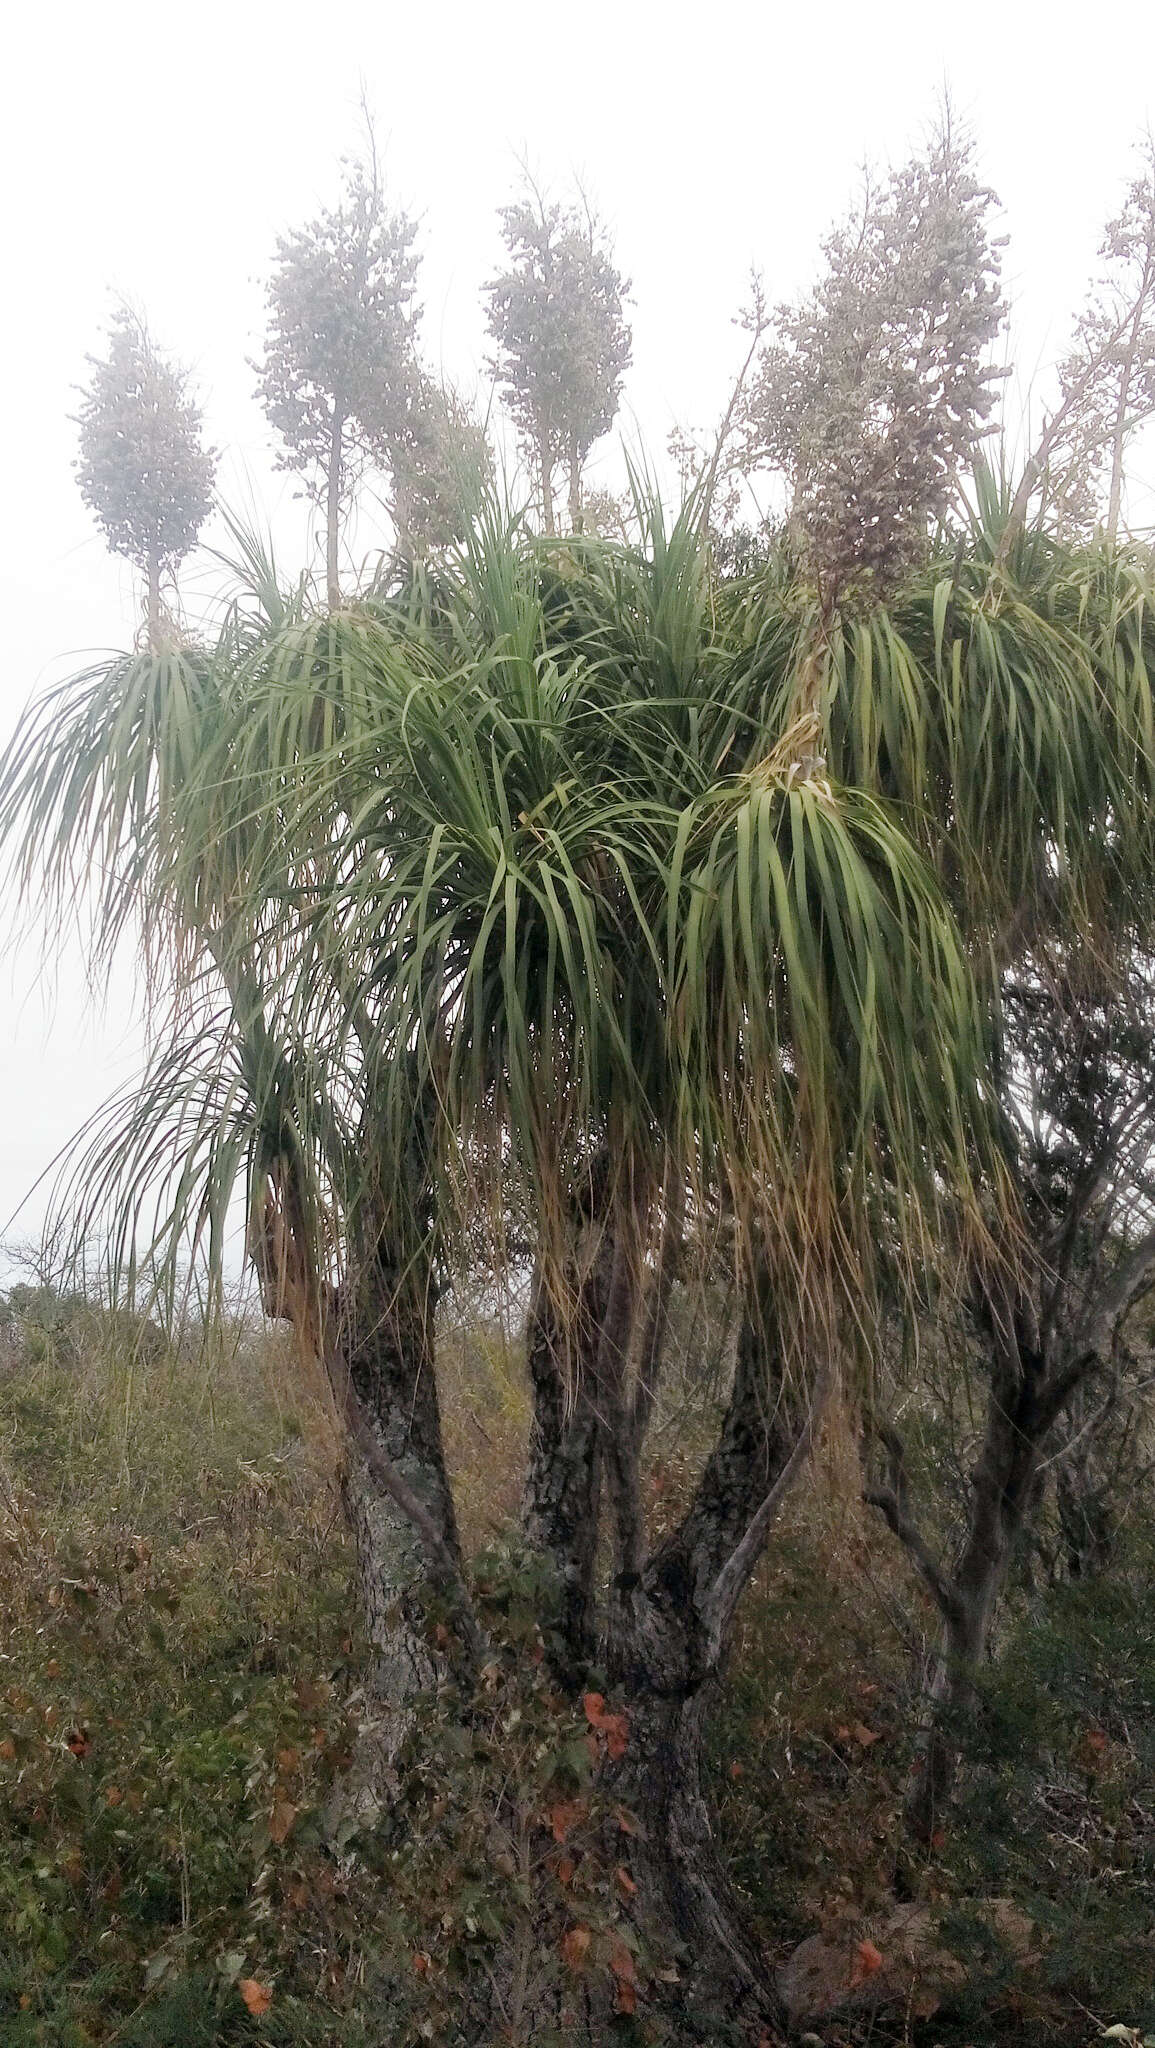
{"x":523,"y":890}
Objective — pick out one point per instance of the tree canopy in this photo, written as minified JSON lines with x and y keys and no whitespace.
{"x":562,"y":343}
{"x":875,"y":391}
{"x":339,"y":371}
{"x":143,"y":469}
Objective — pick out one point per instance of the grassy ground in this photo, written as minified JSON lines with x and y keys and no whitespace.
{"x":179,"y":1666}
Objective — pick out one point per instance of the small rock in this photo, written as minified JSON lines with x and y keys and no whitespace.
{"x":895,"y":1958}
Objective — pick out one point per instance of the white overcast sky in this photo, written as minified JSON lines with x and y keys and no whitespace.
{"x":155,"y":152}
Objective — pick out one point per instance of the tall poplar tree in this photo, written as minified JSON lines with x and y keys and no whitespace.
{"x":143,"y":468}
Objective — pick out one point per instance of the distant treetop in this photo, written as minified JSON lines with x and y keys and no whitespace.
{"x":142,"y":467}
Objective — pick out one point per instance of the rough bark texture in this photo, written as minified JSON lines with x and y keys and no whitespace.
{"x":333,"y":514}
{"x":388,"y":1341}
{"x":669,"y":1619}
{"x":725,"y":1990}
{"x":575,"y":490}
{"x":155,"y":634}
{"x":545,"y":470}
{"x":563,"y":1470}
{"x":667,"y":1657}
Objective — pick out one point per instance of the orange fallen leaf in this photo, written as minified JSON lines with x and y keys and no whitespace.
{"x":864,"y":1735}
{"x":868,"y":1960}
{"x":627,"y":1995}
{"x":78,"y":1742}
{"x":562,"y":1817}
{"x":615,"y":1728}
{"x":625,"y":1882}
{"x":565,"y":1870}
{"x":257,"y":1996}
{"x":575,"y":1946}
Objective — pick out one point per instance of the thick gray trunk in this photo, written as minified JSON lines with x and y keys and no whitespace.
{"x":388,"y":1344}
{"x":575,"y":491}
{"x":561,"y":1499}
{"x":545,"y":469}
{"x":667,"y":1658}
{"x":333,"y":514}
{"x":155,"y":629}
{"x":671,"y":1619}
{"x":685,"y":1901}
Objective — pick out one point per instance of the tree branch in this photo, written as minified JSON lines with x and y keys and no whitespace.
{"x":912,"y":1540}
{"x":724,"y":1594}
{"x":893,"y":1503}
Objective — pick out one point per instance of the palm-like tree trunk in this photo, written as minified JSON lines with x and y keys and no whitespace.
{"x":671,"y":1616}
{"x":575,"y":489}
{"x":334,"y":482}
{"x":562,"y":1490}
{"x":152,"y":603}
{"x":545,"y":472}
{"x":388,"y":1342}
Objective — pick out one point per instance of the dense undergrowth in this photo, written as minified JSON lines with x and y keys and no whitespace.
{"x":179,"y":1673}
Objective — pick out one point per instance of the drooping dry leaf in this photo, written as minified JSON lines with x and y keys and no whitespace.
{"x":281,"y":1821}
